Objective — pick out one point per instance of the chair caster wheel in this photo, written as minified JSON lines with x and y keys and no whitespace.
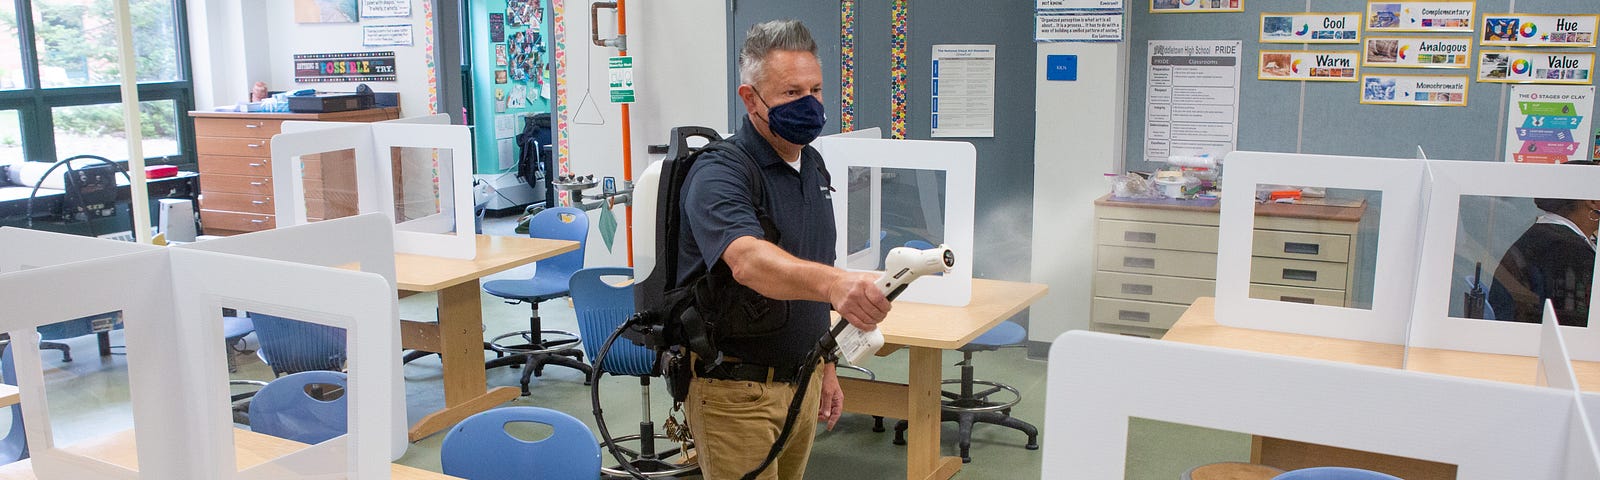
{"x":966,"y":459}
{"x":1031,"y":446}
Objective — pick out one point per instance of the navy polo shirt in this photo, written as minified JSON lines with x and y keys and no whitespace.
{"x":718,"y":208}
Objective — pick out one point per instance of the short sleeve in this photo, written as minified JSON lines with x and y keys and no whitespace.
{"x":719,"y":207}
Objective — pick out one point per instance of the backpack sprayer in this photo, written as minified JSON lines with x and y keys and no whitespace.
{"x":901,"y":267}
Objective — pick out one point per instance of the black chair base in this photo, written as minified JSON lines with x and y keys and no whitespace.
{"x":533,"y":363}
{"x":653,"y":465}
{"x":968,"y":407}
{"x":966,"y":420}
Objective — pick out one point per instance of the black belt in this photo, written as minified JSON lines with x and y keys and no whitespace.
{"x":746,"y":372}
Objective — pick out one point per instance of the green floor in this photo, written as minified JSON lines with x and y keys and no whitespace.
{"x":89,"y":397}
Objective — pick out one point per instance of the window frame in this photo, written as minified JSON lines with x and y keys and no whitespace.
{"x":34,"y":103}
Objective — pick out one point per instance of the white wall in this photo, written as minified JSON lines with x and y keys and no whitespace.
{"x":680,"y":68}
{"x":287,"y":38}
{"x":1078,"y":137}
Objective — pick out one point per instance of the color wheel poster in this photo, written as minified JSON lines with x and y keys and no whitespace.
{"x":1311,"y":27}
{"x":1192,"y":93}
{"x":1528,"y":30}
{"x":1547,"y":124}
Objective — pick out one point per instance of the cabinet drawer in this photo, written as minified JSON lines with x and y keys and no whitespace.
{"x":1303,"y":246}
{"x":1167,"y":236}
{"x":1160,"y":215}
{"x":230,"y":127}
{"x":1154,"y":333}
{"x":1312,"y":225}
{"x":1314,"y":296}
{"x":237,"y":202}
{"x":251,"y":184}
{"x":238,"y":147}
{"x":1134,"y":313}
{"x":235,"y":221}
{"x":1158,"y":262}
{"x":225,"y":165}
{"x":1298,"y":273}
{"x":1154,"y":288}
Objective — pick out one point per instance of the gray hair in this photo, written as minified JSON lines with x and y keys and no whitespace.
{"x":763,"y":38}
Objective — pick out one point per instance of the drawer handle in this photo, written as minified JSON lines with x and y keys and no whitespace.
{"x":1301,"y":248}
{"x":1139,"y":237}
{"x":1307,"y":301}
{"x":1133,"y":316}
{"x":257,"y":221}
{"x":1138,"y":262}
{"x":251,"y":125}
{"x":253,"y":145}
{"x":258,"y":202}
{"x":1137,"y":289}
{"x":257,"y":184}
{"x":1301,"y":275}
{"x":256,"y":165}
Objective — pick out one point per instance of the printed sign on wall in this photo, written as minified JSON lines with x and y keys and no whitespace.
{"x":1066,"y":27}
{"x":1547,"y":123}
{"x":1536,"y":67}
{"x":1077,"y":4}
{"x":1426,"y":90}
{"x":1314,"y":66}
{"x":1417,"y":52}
{"x":1196,"y":6}
{"x":1529,"y":30}
{"x":385,"y":8}
{"x":1311,"y":27}
{"x":344,"y":67}
{"x":386,"y":35}
{"x":1436,"y":16}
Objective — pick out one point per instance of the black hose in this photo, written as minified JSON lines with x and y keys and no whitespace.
{"x":594,"y":397}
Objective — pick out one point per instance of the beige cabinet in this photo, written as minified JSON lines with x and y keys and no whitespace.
{"x":235,"y":156}
{"x":1153,"y":260}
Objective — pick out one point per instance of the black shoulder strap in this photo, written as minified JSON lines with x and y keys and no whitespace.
{"x":758,"y":185}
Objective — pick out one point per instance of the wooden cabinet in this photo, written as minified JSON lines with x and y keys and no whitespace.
{"x":235,"y":155}
{"x":1152,"y":260}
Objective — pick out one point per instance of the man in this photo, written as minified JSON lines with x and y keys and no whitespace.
{"x":737,"y":408}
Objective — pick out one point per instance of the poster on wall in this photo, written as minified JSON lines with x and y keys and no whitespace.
{"x":325,"y":11}
{"x":963,"y":91}
{"x":497,"y":27}
{"x":398,"y":35}
{"x":1071,"y":27}
{"x":344,"y":67}
{"x":524,"y":12}
{"x":1532,"y":30}
{"x":527,"y":57}
{"x":1196,"y":6}
{"x":1417,"y":52}
{"x":1318,"y":66}
{"x":385,"y":8}
{"x":1424,"y":90}
{"x":619,"y":71}
{"x":1077,"y":4}
{"x":500,"y":55}
{"x":1425,"y":16}
{"x":1311,"y":27}
{"x":1547,"y":123}
{"x":1192,"y":98}
{"x":1536,"y":67}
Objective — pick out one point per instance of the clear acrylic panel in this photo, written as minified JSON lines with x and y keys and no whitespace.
{"x":1512,"y":253}
{"x":330,"y":184}
{"x":1319,"y":247}
{"x":99,"y":130}
{"x":424,"y":190}
{"x":892,"y":207}
{"x":261,"y":349}
{"x":86,"y":378}
{"x":77,"y":42}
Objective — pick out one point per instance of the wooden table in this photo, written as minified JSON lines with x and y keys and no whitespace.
{"x":926,"y":330}
{"x":458,"y":335}
{"x":1199,"y":326}
{"x":250,"y":449}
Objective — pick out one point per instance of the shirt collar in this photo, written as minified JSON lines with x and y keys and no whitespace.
{"x":1554,"y":219}
{"x":752,"y":141}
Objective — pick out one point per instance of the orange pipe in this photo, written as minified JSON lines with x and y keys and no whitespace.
{"x":627,"y":133}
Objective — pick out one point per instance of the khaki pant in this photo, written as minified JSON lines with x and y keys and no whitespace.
{"x":736,"y":422}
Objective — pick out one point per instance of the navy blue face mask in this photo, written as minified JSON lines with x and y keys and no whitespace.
{"x":799,"y":121}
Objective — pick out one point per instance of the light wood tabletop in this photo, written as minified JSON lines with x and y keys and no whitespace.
{"x":422,"y":273}
{"x":250,"y":449}
{"x":949,"y":328}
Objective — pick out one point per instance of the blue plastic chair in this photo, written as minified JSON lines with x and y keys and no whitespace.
{"x":293,"y":346}
{"x":601,"y":308}
{"x":551,"y":280}
{"x":1334,"y":473}
{"x":480,"y":449}
{"x":283,"y":409}
{"x":15,"y":444}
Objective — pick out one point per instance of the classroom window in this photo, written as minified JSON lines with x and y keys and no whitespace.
{"x":98,"y":130}
{"x":77,"y":45}
{"x":11,"y":74}
{"x":10,"y":137}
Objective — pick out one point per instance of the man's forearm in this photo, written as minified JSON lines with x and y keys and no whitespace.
{"x":774,"y":273}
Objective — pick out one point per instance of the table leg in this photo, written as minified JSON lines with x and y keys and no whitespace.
{"x":923,"y":418}
{"x":460,"y":340}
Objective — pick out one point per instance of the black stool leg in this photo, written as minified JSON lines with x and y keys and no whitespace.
{"x":529,"y":368}
{"x":900,"y":432}
{"x":964,"y":436}
{"x":877,"y":423}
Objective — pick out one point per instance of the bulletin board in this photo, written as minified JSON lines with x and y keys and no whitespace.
{"x":1327,"y":117}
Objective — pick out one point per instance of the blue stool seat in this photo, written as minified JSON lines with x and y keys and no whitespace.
{"x":479,"y":448}
{"x":235,"y":328}
{"x":1006,"y":333}
{"x":536,"y":289}
{"x":1334,"y":473}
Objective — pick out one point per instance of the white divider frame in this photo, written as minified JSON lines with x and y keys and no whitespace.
{"x":1489,"y":430}
{"x":366,"y":240}
{"x":171,"y":302}
{"x":449,"y":233}
{"x":1396,"y":179}
{"x":1431,"y":325}
{"x":1555,"y":370}
{"x":959,"y":162}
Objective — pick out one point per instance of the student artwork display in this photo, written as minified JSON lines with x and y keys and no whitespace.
{"x":500,"y":76}
{"x":524,"y":12}
{"x":527,"y":57}
{"x":1547,"y":123}
{"x":1417,"y":52}
{"x":497,"y":27}
{"x":1536,"y":67}
{"x":1533,"y":30}
{"x":1426,"y":16}
{"x":1428,"y":90}
{"x":1312,"y":66}
{"x":325,"y":11}
{"x":1311,"y":27}
{"x":500,"y":55}
{"x":1196,"y":6}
